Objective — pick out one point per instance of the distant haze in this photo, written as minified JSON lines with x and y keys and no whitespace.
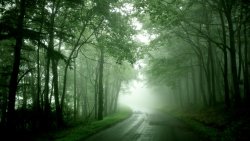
{"x":140,"y":97}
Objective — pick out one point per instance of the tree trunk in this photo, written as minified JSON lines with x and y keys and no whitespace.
{"x":112,"y":98}
{"x":239,"y":47}
{"x":100,"y":96}
{"x":225,"y":72}
{"x":96,"y":91}
{"x":36,"y":105}
{"x":236,"y":87}
{"x":227,"y":9}
{"x":85,"y":100}
{"x":194,"y":84}
{"x":59,"y":117}
{"x":106,"y":96}
{"x":75,"y":92}
{"x":15,"y":70}
{"x":47,"y":76}
{"x":3,"y":101}
{"x":187,"y":86}
{"x":202,"y":90}
{"x":179,"y":94}
{"x":246,"y":70}
{"x":211,"y":70}
{"x":117,"y":95}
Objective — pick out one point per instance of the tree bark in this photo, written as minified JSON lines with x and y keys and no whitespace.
{"x":187,"y":86}
{"x":232,"y":51}
{"x":75,"y":92}
{"x":96,"y":92}
{"x":15,"y":70}
{"x":117,"y":95}
{"x":246,"y":70}
{"x":194,"y":84}
{"x":59,"y":117}
{"x":36,"y":105}
{"x":100,"y":96}
{"x":211,"y":70}
{"x":225,"y":72}
{"x":106,"y":96}
{"x":202,"y":90}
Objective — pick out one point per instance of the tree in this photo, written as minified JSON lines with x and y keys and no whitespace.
{"x":196,"y":22}
{"x":16,"y":63}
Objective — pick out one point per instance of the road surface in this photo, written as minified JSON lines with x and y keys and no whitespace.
{"x":152,"y":126}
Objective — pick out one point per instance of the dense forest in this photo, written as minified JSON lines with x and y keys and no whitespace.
{"x":201,"y":51}
{"x":62,"y":60}
{"x":66,"y":60}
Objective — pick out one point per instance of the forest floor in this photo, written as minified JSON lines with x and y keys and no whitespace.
{"x":217,"y":123}
{"x":76,"y":131}
{"x":83,"y":131}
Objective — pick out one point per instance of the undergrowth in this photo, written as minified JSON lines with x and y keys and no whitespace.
{"x":82,"y":131}
{"x":217,"y":123}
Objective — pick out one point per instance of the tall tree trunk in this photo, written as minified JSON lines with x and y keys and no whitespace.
{"x":59,"y":117}
{"x":240,"y":48}
{"x":96,"y":91}
{"x":85,"y":100}
{"x":179,"y":93}
{"x":202,"y":89}
{"x":211,"y":70}
{"x":225,"y":72}
{"x":106,"y":96}
{"x":36,"y":105}
{"x":47,"y":76}
{"x":228,"y":14}
{"x":15,"y":70}
{"x":118,"y":87}
{"x":75,"y":92}
{"x":209,"y":81}
{"x":78,"y":100}
{"x":100,"y":96}
{"x":194,"y":84}
{"x":112,"y":98}
{"x":25,"y":97}
{"x":246,"y":70}
{"x":46,"y":92}
{"x":187,"y":86}
{"x":3,"y":100}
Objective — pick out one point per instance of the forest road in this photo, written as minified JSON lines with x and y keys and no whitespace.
{"x":152,"y":126}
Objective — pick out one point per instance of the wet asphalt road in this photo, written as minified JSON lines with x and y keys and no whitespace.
{"x":150,"y":126}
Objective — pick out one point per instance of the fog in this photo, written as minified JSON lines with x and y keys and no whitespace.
{"x":140,"y":97}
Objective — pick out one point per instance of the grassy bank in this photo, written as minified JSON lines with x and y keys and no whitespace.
{"x":83,"y":131}
{"x":216,"y":124}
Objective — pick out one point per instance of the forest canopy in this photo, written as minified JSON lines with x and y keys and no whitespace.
{"x":66,"y":60}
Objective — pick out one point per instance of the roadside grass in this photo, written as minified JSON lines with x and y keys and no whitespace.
{"x":216,"y":124}
{"x":83,"y":131}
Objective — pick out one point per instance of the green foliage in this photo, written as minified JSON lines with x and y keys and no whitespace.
{"x":215,"y":123}
{"x":117,"y":38}
{"x":83,"y":131}
{"x":169,"y":61}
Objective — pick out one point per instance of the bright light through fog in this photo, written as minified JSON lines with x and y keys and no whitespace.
{"x":125,"y":9}
{"x":136,"y":24}
{"x":137,"y":95}
{"x":144,"y":37}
